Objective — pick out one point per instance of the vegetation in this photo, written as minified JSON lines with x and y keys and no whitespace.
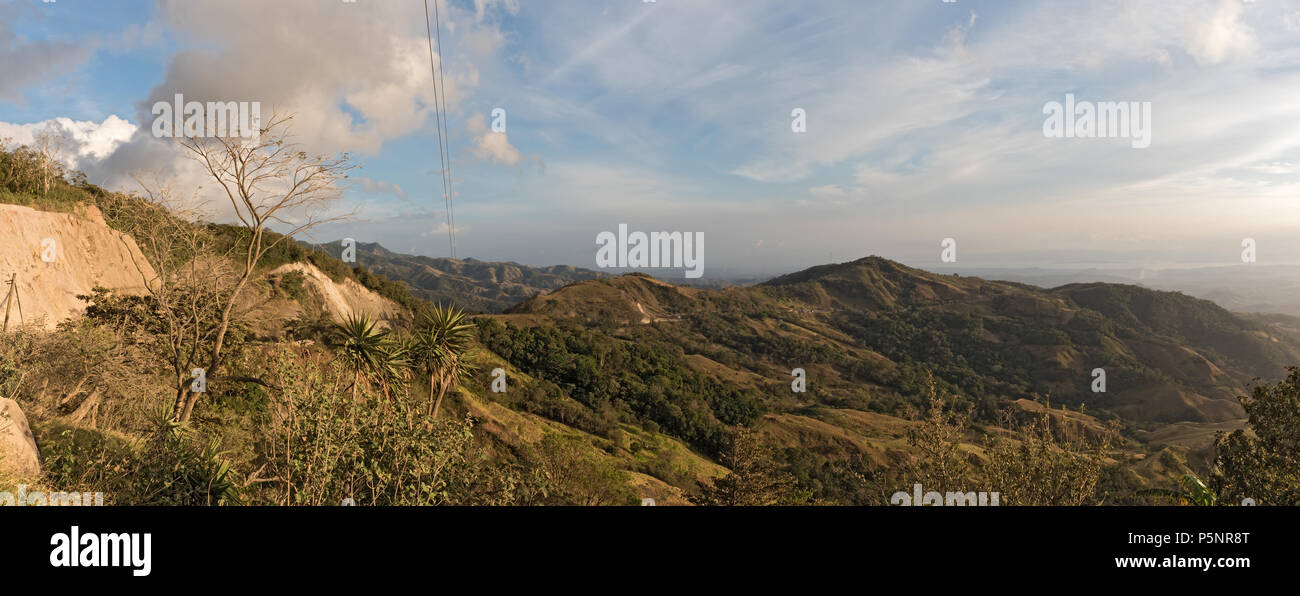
{"x":344,"y":419}
{"x":439,"y":348}
{"x":576,"y":475}
{"x":941,"y":463}
{"x":1048,"y":461}
{"x":756,"y":478}
{"x":638,"y":382}
{"x":320,"y":444}
{"x":1264,"y":464}
{"x":246,"y":170}
{"x":365,"y":348}
{"x":912,"y":378}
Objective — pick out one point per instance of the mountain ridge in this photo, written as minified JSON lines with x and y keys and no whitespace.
{"x":1169,"y":357}
{"x":479,"y":286}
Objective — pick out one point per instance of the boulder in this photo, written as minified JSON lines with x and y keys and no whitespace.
{"x":19,"y":457}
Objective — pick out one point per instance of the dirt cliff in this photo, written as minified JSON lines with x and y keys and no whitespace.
{"x":53,"y":257}
{"x":342,"y":298}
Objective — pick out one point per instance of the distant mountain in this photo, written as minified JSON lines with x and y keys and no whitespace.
{"x":869,"y":325}
{"x":478,"y":286}
{"x":1256,"y":288}
{"x":868,"y":336}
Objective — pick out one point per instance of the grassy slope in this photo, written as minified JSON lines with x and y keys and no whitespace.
{"x":659,"y":466}
{"x":858,"y":386}
{"x":1175,"y":363}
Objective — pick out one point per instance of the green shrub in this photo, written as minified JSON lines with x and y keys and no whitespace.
{"x":171,"y":466}
{"x":291,"y":283}
{"x":321,"y":446}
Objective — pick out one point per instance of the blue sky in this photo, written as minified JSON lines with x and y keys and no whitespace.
{"x":924,"y":120}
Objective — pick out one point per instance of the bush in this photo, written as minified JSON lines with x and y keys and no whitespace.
{"x":172,"y":466}
{"x":1263,"y":465}
{"x":291,"y":284}
{"x":320,"y":446}
{"x":573,"y":473}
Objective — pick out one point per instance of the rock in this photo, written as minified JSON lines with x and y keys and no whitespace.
{"x":19,"y":457}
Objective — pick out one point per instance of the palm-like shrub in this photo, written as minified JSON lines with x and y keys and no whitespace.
{"x":394,"y":362}
{"x":362,"y":344}
{"x":440,"y":345}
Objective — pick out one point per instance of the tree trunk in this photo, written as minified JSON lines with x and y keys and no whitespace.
{"x":215,"y":361}
{"x":87,"y":405}
{"x":189,"y":406}
{"x":75,"y":391}
{"x":356,"y":380}
{"x":430,"y":394}
{"x":179,"y":406}
{"x":442,"y":390}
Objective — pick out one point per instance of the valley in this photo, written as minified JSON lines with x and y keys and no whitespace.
{"x":651,"y":381}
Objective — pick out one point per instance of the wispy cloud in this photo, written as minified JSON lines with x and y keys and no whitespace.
{"x":924,"y":119}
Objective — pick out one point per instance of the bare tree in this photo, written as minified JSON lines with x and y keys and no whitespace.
{"x":268,"y":180}
{"x":48,"y":145}
{"x":1050,"y":459}
{"x":938,"y":438}
{"x":187,"y":280}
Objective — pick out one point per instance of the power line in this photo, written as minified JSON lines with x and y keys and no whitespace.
{"x":439,"y":114}
{"x":451,"y":178}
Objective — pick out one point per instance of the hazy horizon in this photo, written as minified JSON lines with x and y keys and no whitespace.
{"x":789,"y":135}
{"x":970,"y":268}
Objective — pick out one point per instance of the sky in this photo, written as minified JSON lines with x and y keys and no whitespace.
{"x":923,"y":120}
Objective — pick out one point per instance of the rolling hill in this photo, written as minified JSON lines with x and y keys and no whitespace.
{"x":652,"y":377}
{"x":479,"y":286}
{"x":867,"y":331}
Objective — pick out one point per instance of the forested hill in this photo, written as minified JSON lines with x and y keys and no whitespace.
{"x":870,"y":326}
{"x":480,"y":286}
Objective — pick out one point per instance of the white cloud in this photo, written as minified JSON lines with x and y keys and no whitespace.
{"x":1220,"y":35}
{"x":81,"y":141}
{"x":354,"y":75}
{"x":489,"y":145}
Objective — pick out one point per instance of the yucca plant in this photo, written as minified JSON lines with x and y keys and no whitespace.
{"x":362,"y":344}
{"x":440,"y":345}
{"x":394,"y":363}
